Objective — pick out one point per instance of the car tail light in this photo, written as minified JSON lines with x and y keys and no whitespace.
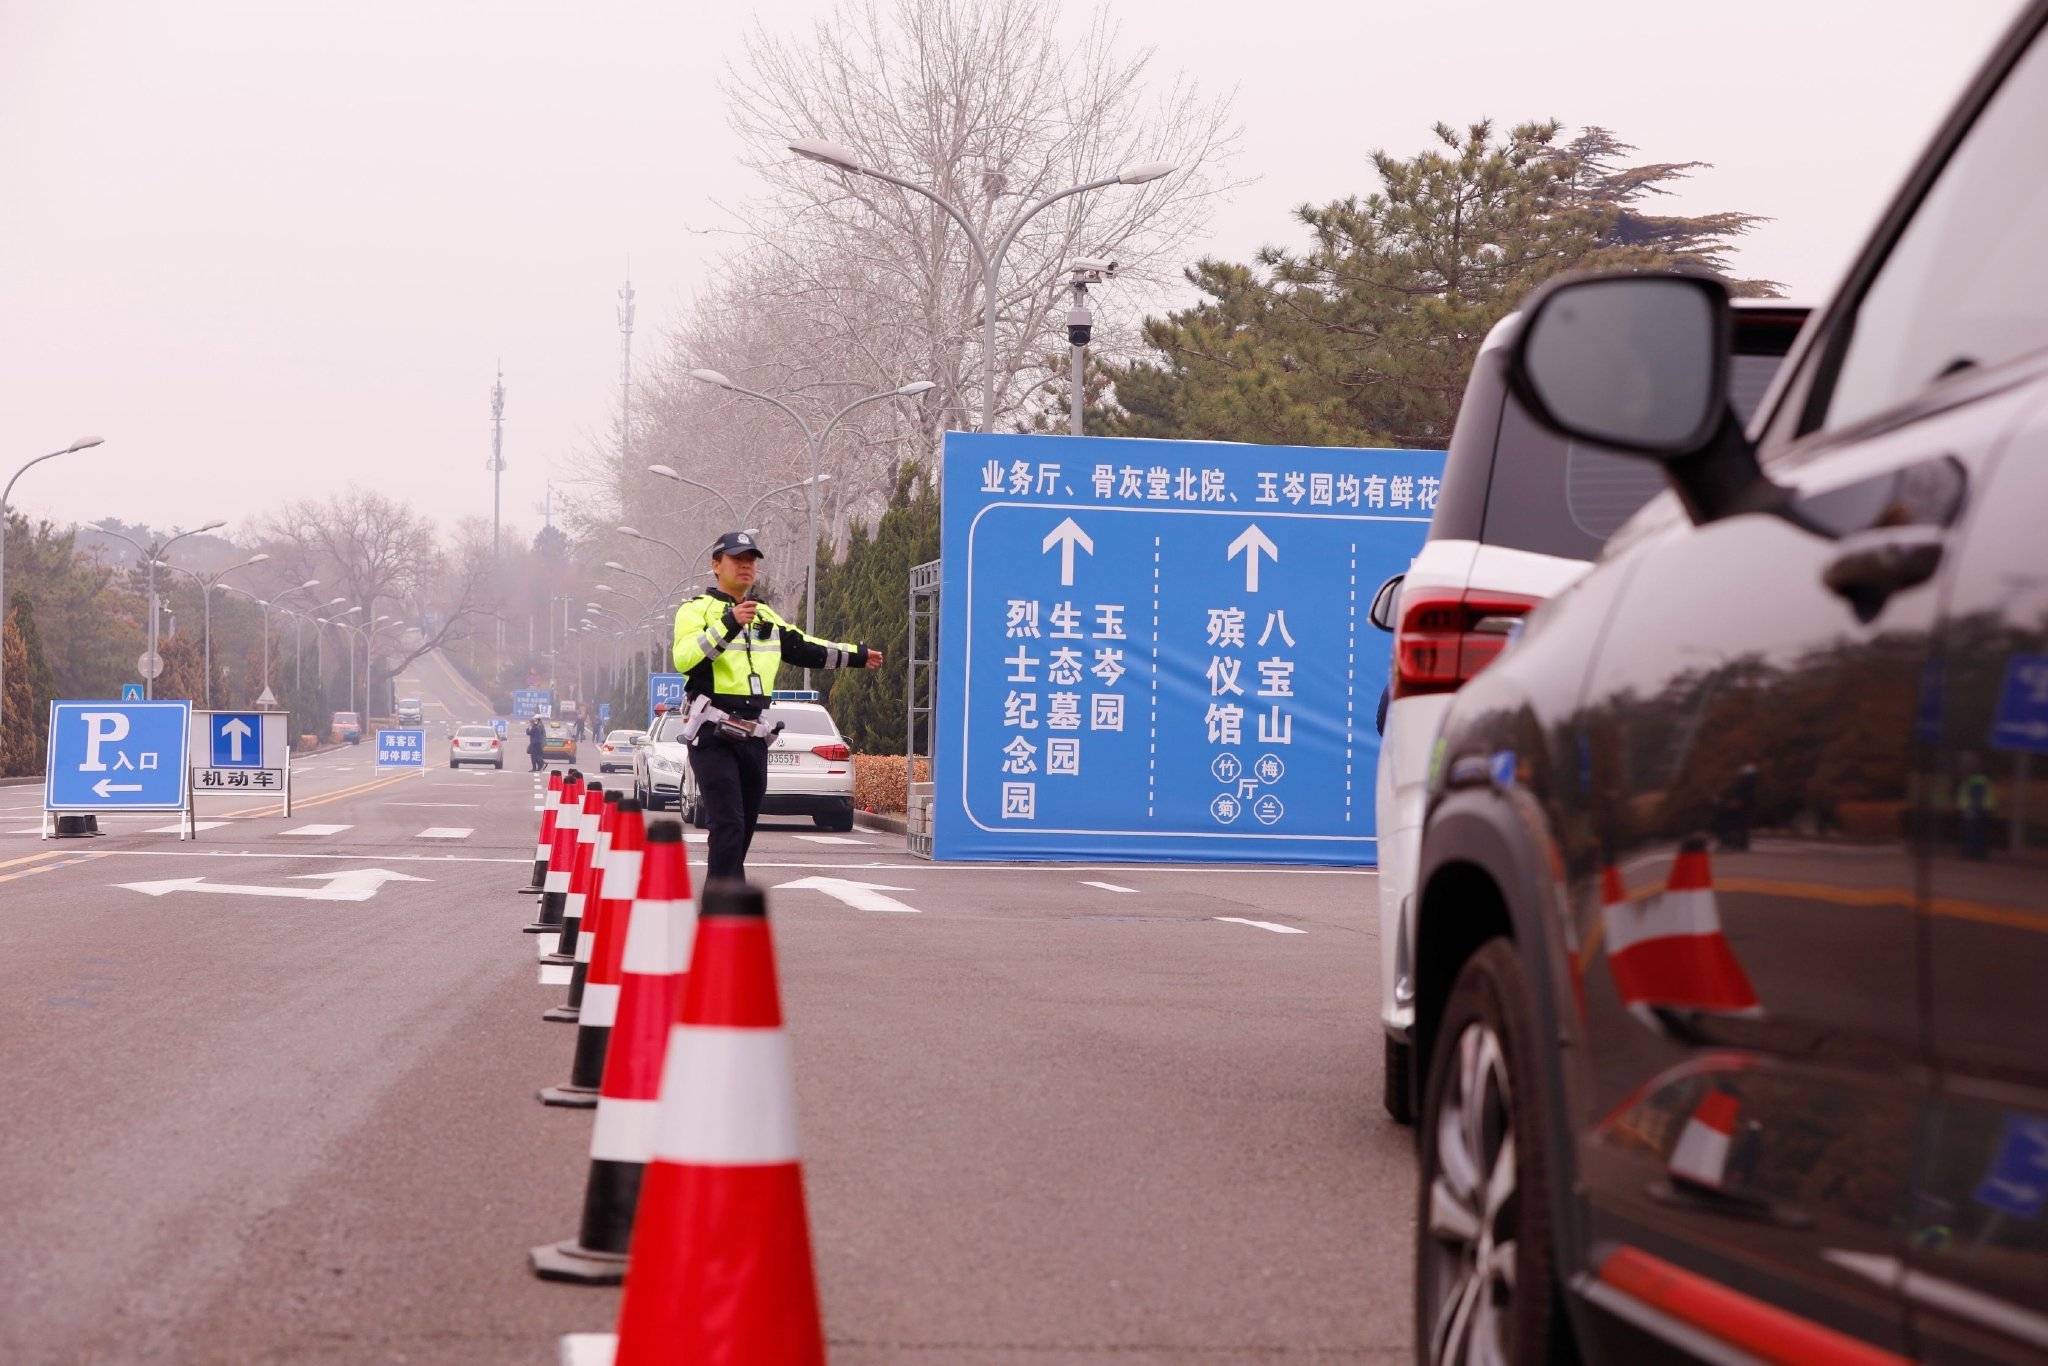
{"x":838,"y":754}
{"x":1447,"y":635}
{"x":494,"y":744}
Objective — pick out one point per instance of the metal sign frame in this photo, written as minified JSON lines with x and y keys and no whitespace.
{"x":274,"y":753}
{"x":174,"y":714}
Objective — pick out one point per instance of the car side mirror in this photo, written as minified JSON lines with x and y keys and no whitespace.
{"x":1639,"y":363}
{"x":1381,"y":613}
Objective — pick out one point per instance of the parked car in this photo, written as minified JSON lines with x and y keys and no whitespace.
{"x":558,"y":742}
{"x":810,"y":768}
{"x":347,"y":727}
{"x":1729,"y":931}
{"x":1521,"y":515}
{"x":476,"y":745}
{"x":615,"y":751}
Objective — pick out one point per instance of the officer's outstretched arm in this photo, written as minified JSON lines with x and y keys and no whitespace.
{"x":802,"y":651}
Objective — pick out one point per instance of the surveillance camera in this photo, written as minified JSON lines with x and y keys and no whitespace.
{"x":1088,"y":265}
{"x":1080,"y":326}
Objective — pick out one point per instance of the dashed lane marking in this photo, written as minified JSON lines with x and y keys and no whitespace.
{"x":176,"y":829}
{"x":446,"y":832}
{"x":44,"y":867}
{"x":319,"y":830}
{"x":1262,"y":924}
{"x":1110,"y":887}
{"x":833,"y":839}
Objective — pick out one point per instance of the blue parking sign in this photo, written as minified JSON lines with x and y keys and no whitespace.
{"x":406,"y":748}
{"x":2022,"y":720}
{"x":117,"y":756}
{"x":2017,"y":1181}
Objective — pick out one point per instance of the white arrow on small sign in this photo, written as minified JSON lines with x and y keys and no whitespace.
{"x":107,"y":785}
{"x":862,"y":896}
{"x":237,"y":730}
{"x":1249,"y":543}
{"x":1066,"y":536}
{"x":354,"y":884}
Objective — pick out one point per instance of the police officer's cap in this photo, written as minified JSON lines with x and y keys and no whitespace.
{"x":735,"y":543}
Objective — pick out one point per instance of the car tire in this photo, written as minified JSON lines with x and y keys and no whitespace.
{"x":1396,"y":1090}
{"x":840,"y":820}
{"x":453,"y":764}
{"x":500,"y":765}
{"x":697,"y":813}
{"x":1485,"y":1180}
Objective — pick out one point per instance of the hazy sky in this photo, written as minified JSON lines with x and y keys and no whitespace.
{"x":264,"y":247}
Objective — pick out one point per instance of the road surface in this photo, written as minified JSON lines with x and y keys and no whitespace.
{"x":1060,"y":1114}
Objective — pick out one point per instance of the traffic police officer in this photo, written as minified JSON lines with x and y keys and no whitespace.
{"x":728,"y":649}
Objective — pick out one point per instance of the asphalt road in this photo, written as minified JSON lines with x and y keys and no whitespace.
{"x":1043,"y":1119}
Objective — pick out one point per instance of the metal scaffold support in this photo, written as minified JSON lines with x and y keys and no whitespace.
{"x":921,"y":696}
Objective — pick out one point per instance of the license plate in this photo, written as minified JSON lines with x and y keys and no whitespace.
{"x":782,"y":757}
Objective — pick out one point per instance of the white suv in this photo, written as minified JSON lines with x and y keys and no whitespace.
{"x":1521,"y":516}
{"x":810,"y":768}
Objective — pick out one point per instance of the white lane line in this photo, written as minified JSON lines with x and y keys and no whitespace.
{"x":319,"y":830}
{"x":832,"y":839}
{"x":555,"y":974}
{"x":175,"y":829}
{"x":1262,"y":924}
{"x":467,"y":805}
{"x":1110,"y":887}
{"x":446,"y":832}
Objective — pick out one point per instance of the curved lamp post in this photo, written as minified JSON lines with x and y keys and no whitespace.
{"x":83,"y":443}
{"x":154,"y":558}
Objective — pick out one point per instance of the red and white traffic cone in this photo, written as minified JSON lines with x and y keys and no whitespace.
{"x":653,"y":960}
{"x":593,"y":903}
{"x":549,"y":806}
{"x":1703,"y":1148}
{"x":580,"y":879}
{"x":1669,"y":952}
{"x":594,"y":990}
{"x":561,"y":856}
{"x":722,"y":1270}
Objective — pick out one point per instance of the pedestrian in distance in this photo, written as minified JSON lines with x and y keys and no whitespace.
{"x":729,"y":649}
{"x":536,"y":743}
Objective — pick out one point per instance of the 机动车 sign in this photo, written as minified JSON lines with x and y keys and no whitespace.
{"x":1160,"y":650}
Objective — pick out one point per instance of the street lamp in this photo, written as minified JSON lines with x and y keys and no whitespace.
{"x":83,"y":443}
{"x":154,"y":557}
{"x":845,"y":159}
{"x":206,"y":584}
{"x":816,"y":441}
{"x":667,"y":473}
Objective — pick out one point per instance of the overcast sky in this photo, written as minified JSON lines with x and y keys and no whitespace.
{"x":267,"y":247}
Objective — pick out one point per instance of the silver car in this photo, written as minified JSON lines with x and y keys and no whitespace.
{"x":810,"y":768}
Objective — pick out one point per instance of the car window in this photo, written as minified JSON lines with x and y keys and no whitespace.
{"x":803,"y":720}
{"x":668,"y":728}
{"x":1528,"y":507}
{"x":478,"y":732}
{"x":1963,"y":287}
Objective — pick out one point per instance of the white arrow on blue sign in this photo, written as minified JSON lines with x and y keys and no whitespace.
{"x":117,"y":756}
{"x":236,"y":739}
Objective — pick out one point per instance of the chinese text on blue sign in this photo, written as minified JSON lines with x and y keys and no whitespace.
{"x":2022,"y":721}
{"x":1160,"y":650}
{"x":402,"y":749}
{"x":528,"y":703}
{"x":664,"y":689}
{"x":117,"y":755}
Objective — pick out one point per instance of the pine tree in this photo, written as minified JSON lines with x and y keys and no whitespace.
{"x":41,"y":679}
{"x":20,"y":755}
{"x":1366,"y":336}
{"x":866,"y":598}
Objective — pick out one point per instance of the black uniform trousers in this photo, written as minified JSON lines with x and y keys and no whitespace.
{"x":732,"y":777}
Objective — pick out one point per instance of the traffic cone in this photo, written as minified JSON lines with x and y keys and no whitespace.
{"x":561,"y":855}
{"x":653,"y":958}
{"x":580,"y":878}
{"x":593,"y":909}
{"x":722,"y":1268}
{"x":551,"y":804}
{"x":1701,"y":1154}
{"x":1669,"y":952}
{"x":599,"y":951}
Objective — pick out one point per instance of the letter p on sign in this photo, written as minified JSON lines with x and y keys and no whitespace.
{"x":102,"y":728}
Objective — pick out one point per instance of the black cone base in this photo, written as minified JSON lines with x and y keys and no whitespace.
{"x":565,"y":1261}
{"x":608,"y":1203}
{"x":571,"y":1095}
{"x":562,"y":1015}
{"x":550,"y":921}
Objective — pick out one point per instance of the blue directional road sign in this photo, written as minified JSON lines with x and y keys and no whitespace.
{"x":2017,"y":1182}
{"x":499,"y":722}
{"x":604,"y":714}
{"x":665,"y":688}
{"x":117,"y":756}
{"x":236,"y":739}
{"x":2022,"y":722}
{"x":1161,"y":650}
{"x":131,"y":692}
{"x":404,"y":748}
{"x":528,"y":703}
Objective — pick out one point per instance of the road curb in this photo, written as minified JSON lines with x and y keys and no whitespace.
{"x":876,"y":820}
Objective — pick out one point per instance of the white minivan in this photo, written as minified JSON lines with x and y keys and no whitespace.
{"x":1521,"y":516}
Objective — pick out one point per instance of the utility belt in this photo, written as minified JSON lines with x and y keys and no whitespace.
{"x":703,"y":719}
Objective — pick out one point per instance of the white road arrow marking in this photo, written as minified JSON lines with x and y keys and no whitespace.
{"x":1249,"y":543}
{"x":106,"y":785}
{"x":862,"y":896}
{"x":237,"y":731}
{"x":1066,"y":536}
{"x":354,"y":884}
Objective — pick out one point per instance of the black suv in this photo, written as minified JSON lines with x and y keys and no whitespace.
{"x":1732,"y":930}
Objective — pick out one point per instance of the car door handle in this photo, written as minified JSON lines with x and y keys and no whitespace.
{"x":1869,"y":566}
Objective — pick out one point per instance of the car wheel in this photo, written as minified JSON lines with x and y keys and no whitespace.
{"x":1395,"y":1069}
{"x":500,"y":765}
{"x":1485,"y":1282}
{"x":453,"y":764}
{"x":697,"y":812}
